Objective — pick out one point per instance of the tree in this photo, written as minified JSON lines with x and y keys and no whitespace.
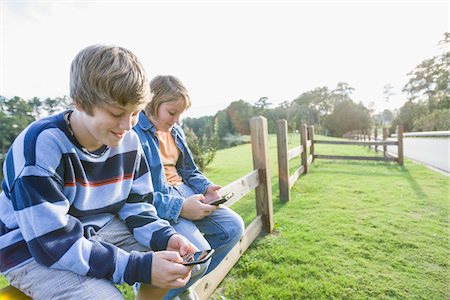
{"x":342,"y":93}
{"x":429,"y":81}
{"x":239,"y":114}
{"x":387,"y":92}
{"x":347,"y":116}
{"x":408,"y":113}
{"x":310,"y":107}
{"x":428,"y":90}
{"x":438,"y":120}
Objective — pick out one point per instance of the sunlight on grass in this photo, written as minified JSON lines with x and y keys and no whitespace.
{"x":352,"y":230}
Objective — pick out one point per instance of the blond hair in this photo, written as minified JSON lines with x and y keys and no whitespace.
{"x":105,"y":75}
{"x":166,"y":88}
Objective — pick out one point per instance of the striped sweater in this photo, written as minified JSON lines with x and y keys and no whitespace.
{"x":53,"y":193}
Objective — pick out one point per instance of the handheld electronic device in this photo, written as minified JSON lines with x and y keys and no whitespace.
{"x":222,"y":199}
{"x":197,"y":257}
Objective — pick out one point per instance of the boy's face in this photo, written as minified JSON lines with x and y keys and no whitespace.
{"x":169,"y":114}
{"x":106,"y":126}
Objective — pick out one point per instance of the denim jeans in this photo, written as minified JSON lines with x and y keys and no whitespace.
{"x":220,"y":231}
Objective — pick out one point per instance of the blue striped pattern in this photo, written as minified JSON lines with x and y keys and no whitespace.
{"x":53,"y":192}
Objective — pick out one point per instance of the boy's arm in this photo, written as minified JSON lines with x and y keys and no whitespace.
{"x":168,"y":206}
{"x":188,"y":170}
{"x":140,"y":214}
{"x":55,"y":238}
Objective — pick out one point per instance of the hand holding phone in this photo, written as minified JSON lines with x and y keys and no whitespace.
{"x":222,"y":199}
{"x":197,"y":257}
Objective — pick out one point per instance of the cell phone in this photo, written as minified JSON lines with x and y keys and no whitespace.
{"x":222,"y":199}
{"x":197,"y":257}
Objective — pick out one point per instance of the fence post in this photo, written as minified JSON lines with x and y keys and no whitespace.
{"x":400,"y":145}
{"x":375,"y":136}
{"x":283,"y":162}
{"x":385,"y":135}
{"x":303,"y":137}
{"x":264,"y":207}
{"x":311,"y":138}
{"x":368,"y":136}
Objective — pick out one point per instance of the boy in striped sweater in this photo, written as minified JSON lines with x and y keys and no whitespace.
{"x":76,"y":208}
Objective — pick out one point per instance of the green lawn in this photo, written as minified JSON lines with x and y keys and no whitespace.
{"x":352,"y":230}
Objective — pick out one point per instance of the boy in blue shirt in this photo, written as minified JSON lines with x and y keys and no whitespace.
{"x":76,"y":210}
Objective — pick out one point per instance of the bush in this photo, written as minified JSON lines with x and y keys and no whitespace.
{"x":438,"y":120}
{"x":203,"y":149}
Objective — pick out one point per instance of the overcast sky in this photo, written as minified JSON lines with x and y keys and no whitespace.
{"x":227,"y":50}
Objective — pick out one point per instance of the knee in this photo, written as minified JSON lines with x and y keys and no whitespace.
{"x":235,"y":229}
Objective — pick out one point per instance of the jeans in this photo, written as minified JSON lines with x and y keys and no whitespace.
{"x":43,"y":283}
{"x":220,"y":231}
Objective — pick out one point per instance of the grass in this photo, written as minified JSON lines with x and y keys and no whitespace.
{"x":352,"y":230}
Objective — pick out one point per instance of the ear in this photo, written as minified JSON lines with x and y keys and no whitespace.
{"x":77,"y":105}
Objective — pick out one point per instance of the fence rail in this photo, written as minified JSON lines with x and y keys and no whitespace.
{"x":370,"y":142}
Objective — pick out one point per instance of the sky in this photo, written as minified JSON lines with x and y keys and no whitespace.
{"x":224,"y":51}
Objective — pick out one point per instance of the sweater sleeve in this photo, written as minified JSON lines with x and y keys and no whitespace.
{"x":140,"y":214}
{"x":55,"y":238}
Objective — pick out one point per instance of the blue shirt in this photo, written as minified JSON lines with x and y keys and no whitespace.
{"x":168,"y":205}
{"x":53,"y":193}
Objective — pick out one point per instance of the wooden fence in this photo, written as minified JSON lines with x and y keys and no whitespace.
{"x":259,"y":179}
{"x":369,"y":142}
{"x":285,"y":180}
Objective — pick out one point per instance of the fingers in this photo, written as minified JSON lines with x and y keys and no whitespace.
{"x":172,"y":256}
{"x":198,"y":197}
{"x":167,"y":270}
{"x":216,"y":187}
{"x":207,"y":209}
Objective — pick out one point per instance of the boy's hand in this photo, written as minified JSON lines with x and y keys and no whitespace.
{"x":212,"y":193}
{"x":167,"y":270}
{"x":180,"y":244}
{"x":194,"y":209}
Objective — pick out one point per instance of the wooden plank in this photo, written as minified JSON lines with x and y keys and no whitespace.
{"x":375,"y":133}
{"x":308,"y":143}
{"x":311,"y":138}
{"x":283,"y":160}
{"x":293,"y":178}
{"x":303,"y":139}
{"x":294,"y":152}
{"x":11,"y":293}
{"x":310,"y":159}
{"x":260,"y":150}
{"x":206,"y":286}
{"x":354,"y":157}
{"x":358,"y":143}
{"x":400,"y":145}
{"x":241,"y":187}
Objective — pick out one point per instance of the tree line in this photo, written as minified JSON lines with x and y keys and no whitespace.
{"x":333,"y":111}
